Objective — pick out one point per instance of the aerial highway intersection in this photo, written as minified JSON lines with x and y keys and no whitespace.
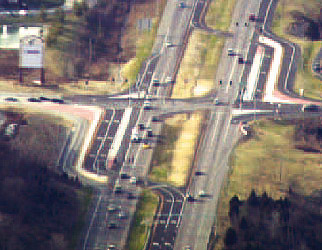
{"x":255,"y":80}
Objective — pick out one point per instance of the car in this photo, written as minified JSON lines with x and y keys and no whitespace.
{"x":122,"y":215}
{"x":182,"y":5}
{"x":133,"y":180}
{"x":199,"y":173}
{"x":146,"y":146}
{"x":230,"y":83}
{"x":149,"y":133}
{"x":56,"y":100}
{"x":141,"y":126}
{"x":147,"y":107}
{"x":131,"y":196}
{"x":169,"y":79}
{"x":231,"y":52}
{"x":32,"y":99}
{"x":190,"y":198}
{"x":240,"y":60}
{"x":252,"y":18}
{"x":113,"y":208}
{"x":43,"y":98}
{"x":202,"y":193}
{"x":216,"y":101}
{"x":156,"y":83}
{"x":125,"y":176}
{"x":168,"y":44}
{"x":111,"y":247}
{"x":311,"y":108}
{"x":118,"y":190}
{"x":156,"y":119}
{"x":11,"y":99}
{"x":112,"y":225}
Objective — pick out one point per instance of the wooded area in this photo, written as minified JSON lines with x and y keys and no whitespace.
{"x":261,"y":222}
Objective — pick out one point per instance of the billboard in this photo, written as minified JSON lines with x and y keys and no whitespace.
{"x":31,"y":52}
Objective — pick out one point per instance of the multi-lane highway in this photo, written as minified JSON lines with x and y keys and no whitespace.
{"x":181,"y":222}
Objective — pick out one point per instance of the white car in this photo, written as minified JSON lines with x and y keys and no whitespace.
{"x":168,"y":79}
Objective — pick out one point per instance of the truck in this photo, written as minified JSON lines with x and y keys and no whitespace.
{"x":135,"y":134}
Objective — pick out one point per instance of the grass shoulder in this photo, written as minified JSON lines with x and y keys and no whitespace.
{"x":173,"y":158}
{"x":142,"y":221}
{"x":269,"y":162}
{"x":199,"y":64}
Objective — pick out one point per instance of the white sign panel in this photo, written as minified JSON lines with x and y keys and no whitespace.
{"x":31,"y":53}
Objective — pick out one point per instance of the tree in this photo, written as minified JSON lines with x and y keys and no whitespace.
{"x":230,"y":237}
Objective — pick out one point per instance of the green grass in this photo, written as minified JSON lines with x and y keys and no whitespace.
{"x":268,"y":162}
{"x":142,"y":220}
{"x":219,"y":14}
{"x":202,"y":55}
{"x":309,"y":49}
{"x":163,"y":153}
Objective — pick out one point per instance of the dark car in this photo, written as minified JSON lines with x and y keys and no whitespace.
{"x":11,"y":99}
{"x":32,"y":99}
{"x":141,"y":126}
{"x":125,"y":176}
{"x":199,"y":173}
{"x":311,"y":108}
{"x":59,"y":101}
{"x":150,"y":133}
{"x":131,"y":196}
{"x":118,"y":190}
{"x":156,"y":119}
{"x":190,"y":198}
{"x":43,"y":98}
{"x":240,"y":60}
{"x":112,"y":225}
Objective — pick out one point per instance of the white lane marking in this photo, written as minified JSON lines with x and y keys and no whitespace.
{"x":118,"y":138}
{"x":103,"y":141}
{"x":92,"y":221}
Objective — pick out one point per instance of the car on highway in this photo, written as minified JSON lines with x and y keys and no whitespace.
{"x":32,"y":99}
{"x":133,"y":180}
{"x":113,"y":208}
{"x":240,"y":60}
{"x":43,"y":98}
{"x":11,"y":99}
{"x":231,"y":52}
{"x":131,"y":196}
{"x":202,"y":193}
{"x":199,"y":173}
{"x":156,"y":119}
{"x":169,"y":79}
{"x":122,"y":215}
{"x":118,"y":189}
{"x":125,"y":176}
{"x":147,"y":105}
{"x":111,"y":247}
{"x":182,"y":5}
{"x":216,"y":101}
{"x":311,"y":108}
{"x":155,"y":83}
{"x":56,"y":100}
{"x":146,"y":146}
{"x":168,"y":44}
{"x":141,"y":126}
{"x":113,"y":225}
{"x":252,"y":17}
